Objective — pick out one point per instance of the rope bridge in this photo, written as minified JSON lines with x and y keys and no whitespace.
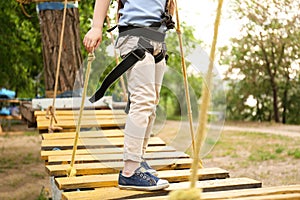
{"x":85,"y":164}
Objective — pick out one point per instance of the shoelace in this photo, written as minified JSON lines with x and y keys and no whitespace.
{"x":146,"y":177}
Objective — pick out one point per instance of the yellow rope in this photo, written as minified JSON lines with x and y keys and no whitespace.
{"x":203,"y":107}
{"x":193,"y":193}
{"x":24,"y":11}
{"x":186,"y":85}
{"x":51,"y":126}
{"x":117,"y":60}
{"x":72,"y":171}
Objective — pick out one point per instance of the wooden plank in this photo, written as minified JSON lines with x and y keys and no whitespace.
{"x":295,"y":196}
{"x":268,"y":193}
{"x":111,"y":180}
{"x":84,"y":134}
{"x":84,"y":124}
{"x":273,"y":197}
{"x":95,"y":142}
{"x":259,"y":192}
{"x":219,"y":185}
{"x":85,"y":112}
{"x":115,"y":167}
{"x":46,"y":154}
{"x":205,"y":185}
{"x":42,"y":118}
{"x":114,"y":157}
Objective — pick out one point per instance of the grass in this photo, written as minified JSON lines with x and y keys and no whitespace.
{"x":272,"y":159}
{"x":11,"y":160}
{"x":255,"y":147}
{"x":37,"y":175}
{"x":31,"y":133}
{"x":7,"y":163}
{"x":43,"y":195}
{"x":262,"y":155}
{"x":295,"y":153}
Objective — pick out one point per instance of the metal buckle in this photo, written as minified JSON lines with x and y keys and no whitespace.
{"x":137,"y":54}
{"x":145,"y":45}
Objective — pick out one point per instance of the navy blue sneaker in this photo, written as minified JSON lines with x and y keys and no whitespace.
{"x":142,"y":181}
{"x":149,"y":169}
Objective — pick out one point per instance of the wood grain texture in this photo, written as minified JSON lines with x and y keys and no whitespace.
{"x":291,"y":192}
{"x":114,"y":167}
{"x":85,"y":134}
{"x":46,"y":154}
{"x":94,"y":142}
{"x":111,"y":180}
{"x":71,"y":124}
{"x":85,"y":112}
{"x":205,"y":185}
{"x":93,"y":157}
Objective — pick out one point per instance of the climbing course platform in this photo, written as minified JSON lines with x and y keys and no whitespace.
{"x":99,"y":159}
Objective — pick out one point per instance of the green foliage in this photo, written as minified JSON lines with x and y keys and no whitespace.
{"x":264,"y":62}
{"x":173,"y":92}
{"x":21,"y":56}
{"x":20,"y":49}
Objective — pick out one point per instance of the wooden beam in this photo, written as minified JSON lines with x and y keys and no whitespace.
{"x":111,"y":180}
{"x":219,"y":185}
{"x":205,"y":185}
{"x":85,"y":134}
{"x":92,"y":157}
{"x":290,"y":192}
{"x":46,"y":154}
{"x":69,"y":124}
{"x":114,"y":167}
{"x":85,"y":112}
{"x":41,"y":118}
{"x":94,"y":142}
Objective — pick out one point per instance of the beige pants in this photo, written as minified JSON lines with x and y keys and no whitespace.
{"x":144,"y":84}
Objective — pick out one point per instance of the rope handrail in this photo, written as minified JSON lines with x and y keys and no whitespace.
{"x":72,"y":171}
{"x":52,"y":128}
{"x":203,"y":107}
{"x":184,"y":72}
{"x":193,"y":192}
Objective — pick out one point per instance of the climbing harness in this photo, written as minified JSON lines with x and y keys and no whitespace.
{"x":145,"y":34}
{"x":129,"y":60}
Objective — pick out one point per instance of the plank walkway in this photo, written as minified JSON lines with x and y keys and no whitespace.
{"x":99,"y":159}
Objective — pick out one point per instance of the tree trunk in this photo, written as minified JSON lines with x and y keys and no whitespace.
{"x":71,"y":58}
{"x":285,"y":99}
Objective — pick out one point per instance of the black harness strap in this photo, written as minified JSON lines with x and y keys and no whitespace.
{"x":130,"y":59}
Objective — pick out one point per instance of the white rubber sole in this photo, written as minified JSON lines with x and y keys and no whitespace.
{"x":148,"y":188}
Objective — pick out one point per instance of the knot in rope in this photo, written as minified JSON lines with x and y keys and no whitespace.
{"x":91,"y":57}
{"x":50,"y":114}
